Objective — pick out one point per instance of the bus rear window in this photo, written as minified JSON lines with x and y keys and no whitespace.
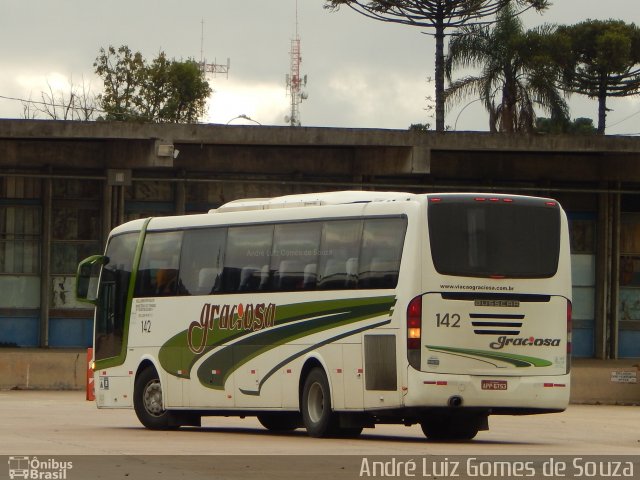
{"x":486,"y":239}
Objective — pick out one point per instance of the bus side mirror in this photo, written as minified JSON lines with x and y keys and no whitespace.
{"x":87,"y":278}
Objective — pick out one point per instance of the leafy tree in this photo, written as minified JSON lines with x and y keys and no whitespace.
{"x":517,"y":72}
{"x":121,"y":72}
{"x":188,"y":93}
{"x":419,"y":127}
{"x":154,"y":88}
{"x":162,"y":91}
{"x":578,"y":126}
{"x":601,"y":59}
{"x":439,"y":15}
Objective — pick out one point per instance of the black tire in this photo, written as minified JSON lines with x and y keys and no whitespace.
{"x":317,"y":416}
{"x":280,"y":422}
{"x":449,"y":428}
{"x":147,"y":401}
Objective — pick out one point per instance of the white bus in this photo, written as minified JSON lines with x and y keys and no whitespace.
{"x":337,"y":311}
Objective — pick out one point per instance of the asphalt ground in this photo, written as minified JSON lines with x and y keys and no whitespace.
{"x":53,"y":426}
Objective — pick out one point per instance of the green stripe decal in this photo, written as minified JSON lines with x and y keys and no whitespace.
{"x":309,"y":349}
{"x":515,"y":360}
{"x":292,"y":322}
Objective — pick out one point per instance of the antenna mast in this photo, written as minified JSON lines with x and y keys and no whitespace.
{"x":213,"y":68}
{"x":294,"y":81}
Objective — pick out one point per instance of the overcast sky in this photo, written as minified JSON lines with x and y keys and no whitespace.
{"x":361,"y":73}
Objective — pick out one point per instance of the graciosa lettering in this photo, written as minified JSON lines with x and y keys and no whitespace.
{"x":525,"y":342}
{"x":238,"y":317}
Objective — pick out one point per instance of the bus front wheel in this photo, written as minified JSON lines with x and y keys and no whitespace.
{"x":317,"y":416}
{"x":147,"y":401}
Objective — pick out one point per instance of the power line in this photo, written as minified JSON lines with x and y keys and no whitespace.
{"x":624,"y":119}
{"x":49,"y":104}
{"x":76,"y":108}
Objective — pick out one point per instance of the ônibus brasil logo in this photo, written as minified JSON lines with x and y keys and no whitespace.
{"x":504,"y":341}
{"x":33,"y":468}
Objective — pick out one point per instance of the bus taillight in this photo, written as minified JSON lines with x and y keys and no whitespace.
{"x":569,"y":328}
{"x":414,"y":331}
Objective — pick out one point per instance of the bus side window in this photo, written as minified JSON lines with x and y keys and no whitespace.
{"x":295,"y":246}
{"x":352,"y":272}
{"x":382,"y":242}
{"x":208,"y":279}
{"x":250,"y":278}
{"x":165,"y":283}
{"x":289,"y":276}
{"x":338,"y":259}
{"x":158,"y":270}
{"x":201,"y":261}
{"x":264,"y":277}
{"x":309,"y":279}
{"x":248,"y":247}
{"x":334,"y":276}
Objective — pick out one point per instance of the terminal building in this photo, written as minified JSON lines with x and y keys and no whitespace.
{"x":64,"y":185}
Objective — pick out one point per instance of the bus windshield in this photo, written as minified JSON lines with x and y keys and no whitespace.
{"x":112,"y":296}
{"x":512,"y":239}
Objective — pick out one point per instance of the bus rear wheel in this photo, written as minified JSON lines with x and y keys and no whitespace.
{"x":317,"y":416}
{"x":147,"y":401}
{"x":280,"y":422}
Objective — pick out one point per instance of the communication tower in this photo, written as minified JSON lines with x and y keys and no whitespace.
{"x":213,"y":68}
{"x":295,"y":82}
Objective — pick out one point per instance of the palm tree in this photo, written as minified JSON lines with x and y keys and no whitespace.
{"x":444,"y":17}
{"x":517,"y":72}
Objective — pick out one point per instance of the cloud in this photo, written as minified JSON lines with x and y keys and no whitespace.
{"x":362,"y":73}
{"x":363,"y":97}
{"x":265,"y":103}
{"x":31,"y":82}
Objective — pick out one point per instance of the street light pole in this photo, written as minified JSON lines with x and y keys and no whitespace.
{"x":455,"y":125}
{"x":244,"y":117}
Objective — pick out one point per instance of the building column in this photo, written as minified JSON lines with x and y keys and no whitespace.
{"x":45,"y":261}
{"x":117,"y":180}
{"x":614,"y":324}
{"x":181,"y":196}
{"x":107,"y":205}
{"x":608,"y":273}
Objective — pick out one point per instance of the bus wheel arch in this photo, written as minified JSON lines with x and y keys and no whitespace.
{"x":318,"y":416}
{"x":145,"y":363}
{"x":309,"y":364}
{"x":148,"y":401}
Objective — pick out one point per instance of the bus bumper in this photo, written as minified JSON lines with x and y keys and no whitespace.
{"x":499,"y":394}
